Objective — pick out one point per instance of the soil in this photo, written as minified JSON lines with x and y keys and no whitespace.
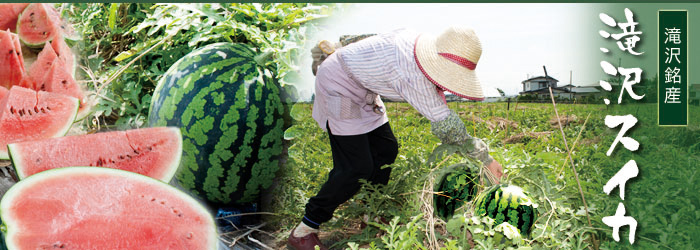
{"x":7,"y":179}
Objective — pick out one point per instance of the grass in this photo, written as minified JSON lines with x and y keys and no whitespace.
{"x":660,"y":199}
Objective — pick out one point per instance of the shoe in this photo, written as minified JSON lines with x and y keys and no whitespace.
{"x":308,"y":242}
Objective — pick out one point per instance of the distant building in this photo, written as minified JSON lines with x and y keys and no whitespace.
{"x":582,"y":91}
{"x":539,"y":82}
{"x":539,"y":87}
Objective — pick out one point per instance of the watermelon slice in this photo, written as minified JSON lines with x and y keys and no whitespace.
{"x":40,"y":68}
{"x":3,"y":93}
{"x":59,"y":80}
{"x":9,"y":13}
{"x":29,"y":115}
{"x":65,"y":53}
{"x":66,"y":29}
{"x":153,"y":152}
{"x":18,"y":48}
{"x":11,"y":60}
{"x":38,"y":24}
{"x":102,"y":208}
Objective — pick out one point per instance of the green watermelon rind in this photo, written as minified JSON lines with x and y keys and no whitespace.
{"x":173,"y":166}
{"x":62,"y":132}
{"x":445,"y":211}
{"x":81,"y":115}
{"x":251,"y":170}
{"x":15,"y":192}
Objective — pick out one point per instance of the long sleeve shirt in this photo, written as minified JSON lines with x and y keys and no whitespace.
{"x":348,"y":82}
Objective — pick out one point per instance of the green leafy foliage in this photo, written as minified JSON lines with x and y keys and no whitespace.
{"x":126,"y":47}
{"x":661,"y":199}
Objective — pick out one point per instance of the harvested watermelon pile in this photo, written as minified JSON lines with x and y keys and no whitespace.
{"x":38,"y":26}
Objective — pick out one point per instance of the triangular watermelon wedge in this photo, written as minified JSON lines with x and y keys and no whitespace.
{"x":29,"y":115}
{"x":11,"y":60}
{"x":9,"y":13}
{"x":65,"y":53}
{"x":153,"y":152}
{"x":18,"y":48}
{"x":59,"y":80}
{"x":39,"y":70}
{"x":102,"y":208}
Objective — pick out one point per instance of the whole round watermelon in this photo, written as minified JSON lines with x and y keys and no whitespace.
{"x":507,"y":203}
{"x":457,"y":186}
{"x":229,"y":111}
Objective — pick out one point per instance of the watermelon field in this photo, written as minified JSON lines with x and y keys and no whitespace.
{"x":525,"y":139}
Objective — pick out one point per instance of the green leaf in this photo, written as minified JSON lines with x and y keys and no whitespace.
{"x":124,"y":55}
{"x":113,"y":8}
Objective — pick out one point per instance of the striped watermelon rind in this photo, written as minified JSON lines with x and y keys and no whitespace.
{"x":230,"y":114}
{"x":457,"y":186}
{"x":507,"y":203}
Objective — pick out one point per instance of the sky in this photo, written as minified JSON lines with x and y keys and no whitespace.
{"x":517,"y":39}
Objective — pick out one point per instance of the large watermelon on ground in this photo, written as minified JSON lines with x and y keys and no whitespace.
{"x":27,"y":115}
{"x":457,"y":186}
{"x":154,"y":152}
{"x":507,"y":203}
{"x":230,"y":113}
{"x":102,"y":208}
{"x":11,"y":60}
{"x":9,"y":13}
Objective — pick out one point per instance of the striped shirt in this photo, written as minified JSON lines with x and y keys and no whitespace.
{"x":348,"y":82}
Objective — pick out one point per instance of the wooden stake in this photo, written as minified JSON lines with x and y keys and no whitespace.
{"x":580,"y":190}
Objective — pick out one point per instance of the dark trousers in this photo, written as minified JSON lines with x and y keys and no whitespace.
{"x":354,"y":157}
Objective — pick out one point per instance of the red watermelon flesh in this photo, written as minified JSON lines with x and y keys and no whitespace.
{"x":11,"y":60}
{"x":66,"y":29}
{"x":37,"y":24}
{"x":65,"y":53}
{"x":101,"y":208}
{"x":154,"y":152}
{"x":58,"y":80}
{"x":9,"y":13}
{"x":18,"y":48}
{"x":29,"y":115}
{"x":40,"y":68}
{"x":3,"y":93}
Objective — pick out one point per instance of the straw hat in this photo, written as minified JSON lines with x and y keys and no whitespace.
{"x":449,"y":60}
